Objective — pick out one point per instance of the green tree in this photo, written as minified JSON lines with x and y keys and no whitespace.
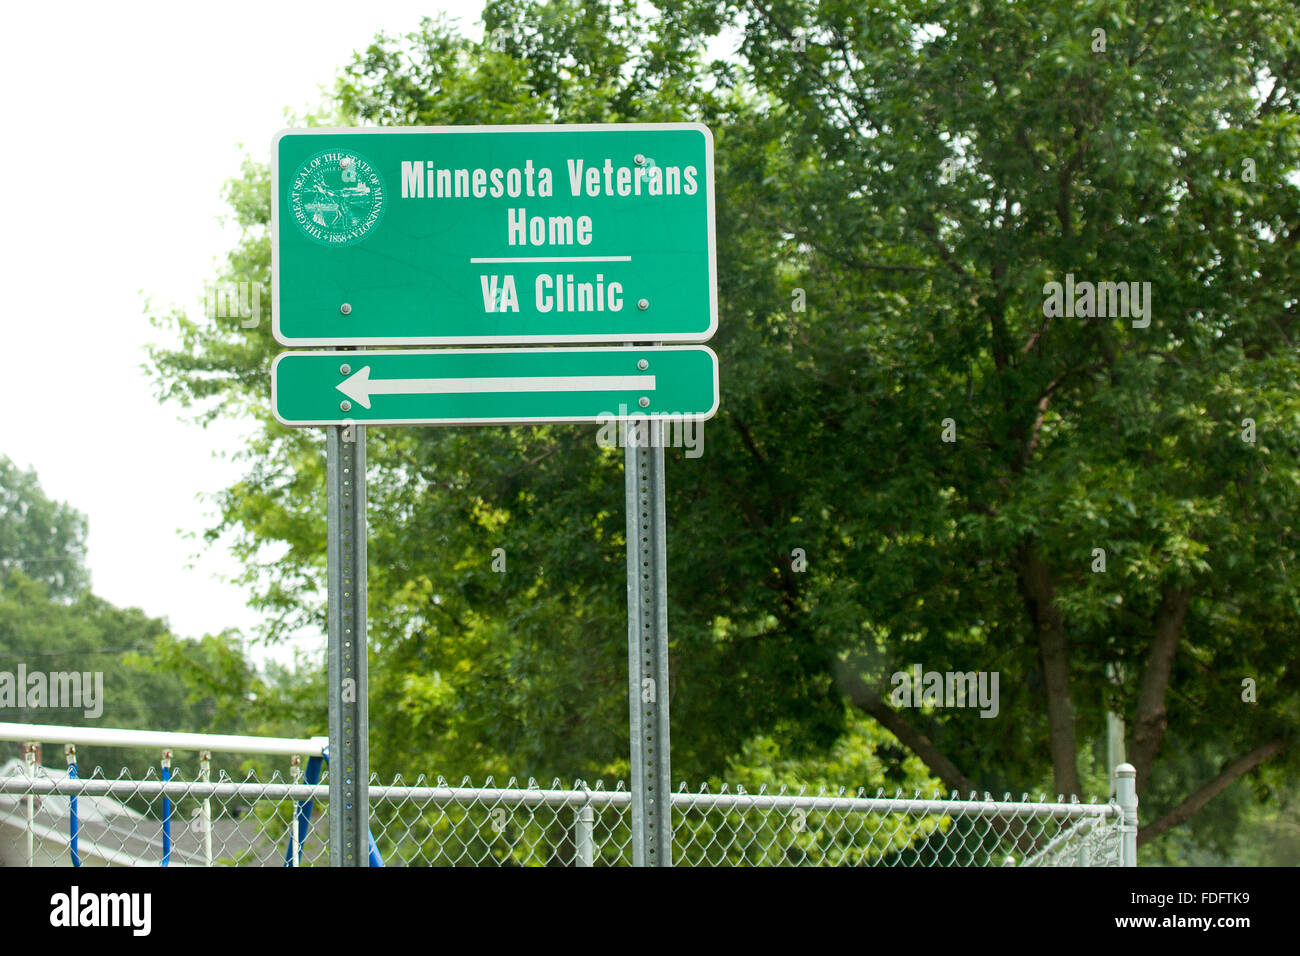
{"x":133,"y":673}
{"x":487,"y":672}
{"x":940,"y":164}
{"x":89,"y":636}
{"x":45,"y":539}
{"x":897,"y":185}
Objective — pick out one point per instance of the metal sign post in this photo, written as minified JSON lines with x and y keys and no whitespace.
{"x":345,"y":508}
{"x":647,"y":643}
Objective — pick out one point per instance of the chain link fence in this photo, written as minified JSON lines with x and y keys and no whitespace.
{"x":49,"y":817}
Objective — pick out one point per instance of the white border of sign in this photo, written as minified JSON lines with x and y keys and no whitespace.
{"x":695,"y":337}
{"x":360,"y":357}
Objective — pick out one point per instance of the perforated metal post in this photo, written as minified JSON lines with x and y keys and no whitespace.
{"x":647,"y":643}
{"x":349,"y":810}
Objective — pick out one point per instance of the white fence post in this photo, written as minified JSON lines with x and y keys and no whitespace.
{"x":584,"y":845}
{"x":205,"y":775}
{"x":1126,"y":793}
{"x":295,"y":773}
{"x":29,"y":761}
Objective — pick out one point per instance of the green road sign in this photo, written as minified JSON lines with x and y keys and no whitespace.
{"x":481,"y":235}
{"x":494,"y":386}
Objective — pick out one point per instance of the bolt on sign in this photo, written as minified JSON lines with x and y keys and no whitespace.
{"x":483,"y":235}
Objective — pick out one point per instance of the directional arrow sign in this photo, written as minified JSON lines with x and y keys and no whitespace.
{"x":494,"y":386}
{"x":482,"y":235}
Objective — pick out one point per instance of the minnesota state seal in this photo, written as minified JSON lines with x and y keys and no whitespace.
{"x":337,"y":197}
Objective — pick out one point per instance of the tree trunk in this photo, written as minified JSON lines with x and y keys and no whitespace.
{"x":1204,"y":794}
{"x":1039,"y":595}
{"x":1151,"y":721}
{"x":869,"y":702}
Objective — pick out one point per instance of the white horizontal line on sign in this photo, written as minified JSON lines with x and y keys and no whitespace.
{"x":540,"y":383}
{"x":552,"y":259}
{"x":360,"y":386}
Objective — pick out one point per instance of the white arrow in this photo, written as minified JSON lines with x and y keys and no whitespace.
{"x":360,"y":386}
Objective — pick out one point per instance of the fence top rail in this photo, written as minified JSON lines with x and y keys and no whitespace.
{"x":533,"y":796}
{"x":162,"y":740}
{"x":898,"y":804}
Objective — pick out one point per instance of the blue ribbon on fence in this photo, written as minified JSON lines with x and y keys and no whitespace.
{"x":303,"y":811}
{"x":72,"y":819}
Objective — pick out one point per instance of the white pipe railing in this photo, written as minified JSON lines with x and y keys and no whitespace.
{"x":162,"y":740}
{"x":166,"y":742}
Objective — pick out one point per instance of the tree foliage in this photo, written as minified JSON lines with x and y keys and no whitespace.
{"x":44,"y":539}
{"x":132,"y":671}
{"x":897,"y":185}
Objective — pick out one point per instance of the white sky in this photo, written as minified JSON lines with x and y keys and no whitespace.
{"x":122,"y":122}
